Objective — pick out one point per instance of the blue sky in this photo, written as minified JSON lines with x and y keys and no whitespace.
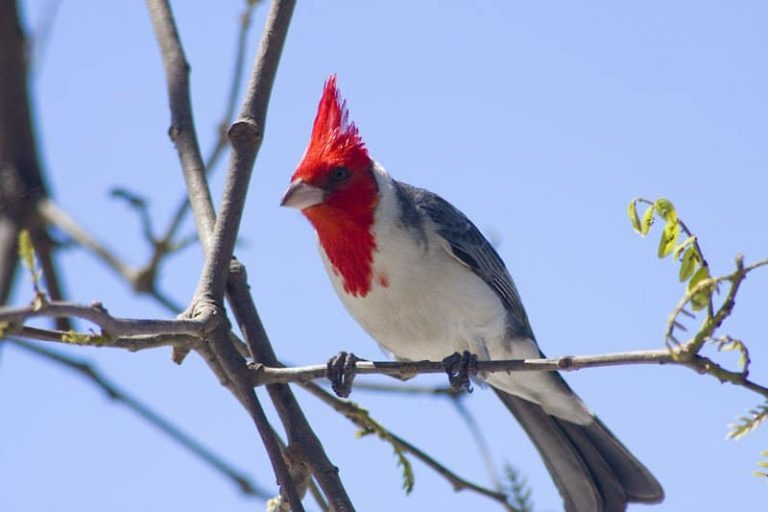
{"x":539,"y":120}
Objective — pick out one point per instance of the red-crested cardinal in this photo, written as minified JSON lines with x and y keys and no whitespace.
{"x":422,"y":280}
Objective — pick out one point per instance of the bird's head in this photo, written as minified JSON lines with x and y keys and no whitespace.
{"x":334,"y":177}
{"x":335,"y":188}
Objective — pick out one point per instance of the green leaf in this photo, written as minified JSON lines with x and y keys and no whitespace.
{"x":633,"y":217}
{"x":515,"y":487}
{"x":27,"y":256}
{"x":700,"y":275}
{"x":688,"y":265}
{"x":746,"y":424}
{"x":647,"y":222}
{"x":669,"y":238}
{"x":728,"y":344}
{"x":681,"y":247}
{"x":666,"y":210}
{"x":699,"y":300}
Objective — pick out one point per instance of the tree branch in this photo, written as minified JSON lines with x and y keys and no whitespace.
{"x":221,"y":129}
{"x":245,"y":135}
{"x":22,"y":183}
{"x":362,"y":419}
{"x":262,"y":374}
{"x":217,"y":237}
{"x":182,"y":130}
{"x":131,"y":343}
{"x":55,"y":216}
{"x":296,"y":425}
{"x":114,"y":392}
{"x":111,"y":326}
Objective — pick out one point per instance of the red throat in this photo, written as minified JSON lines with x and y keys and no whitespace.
{"x":349,"y":245}
{"x":344,"y":220}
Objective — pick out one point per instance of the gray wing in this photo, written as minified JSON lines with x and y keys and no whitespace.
{"x":469,"y":246}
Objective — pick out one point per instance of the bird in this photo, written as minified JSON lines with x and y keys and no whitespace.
{"x":424,"y":283}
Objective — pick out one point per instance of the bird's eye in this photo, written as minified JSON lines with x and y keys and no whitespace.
{"x":339,"y":175}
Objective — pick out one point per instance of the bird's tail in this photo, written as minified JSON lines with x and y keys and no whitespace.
{"x":593,"y":471}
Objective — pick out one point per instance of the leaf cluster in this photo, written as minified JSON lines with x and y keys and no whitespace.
{"x":693,"y":266}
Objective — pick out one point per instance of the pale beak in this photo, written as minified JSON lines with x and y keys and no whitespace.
{"x":302,"y":195}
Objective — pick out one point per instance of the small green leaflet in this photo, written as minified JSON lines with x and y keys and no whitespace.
{"x":633,"y":217}
{"x":666,"y":210}
{"x":669,"y":238}
{"x":679,"y":249}
{"x":700,"y":299}
{"x":688,"y":265}
{"x":647,"y":222}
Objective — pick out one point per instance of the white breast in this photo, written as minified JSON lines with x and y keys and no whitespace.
{"x":423,"y":303}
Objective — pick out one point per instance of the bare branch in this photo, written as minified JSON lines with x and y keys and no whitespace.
{"x":132,"y":343}
{"x":360,"y":417}
{"x":114,"y":392}
{"x":217,"y":237}
{"x":296,"y":425}
{"x":245,"y":135}
{"x":182,"y":130}
{"x":262,"y":374}
{"x":221,"y":129}
{"x":22,"y":182}
{"x":400,"y":369}
{"x":112,"y":326}
{"x":480,"y":440}
{"x":54,"y":215}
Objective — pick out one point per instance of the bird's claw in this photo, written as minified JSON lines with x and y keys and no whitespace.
{"x":458,"y":367}
{"x":340,"y":370}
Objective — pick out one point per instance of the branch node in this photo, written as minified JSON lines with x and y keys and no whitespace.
{"x":245,"y":131}
{"x":566,"y":363}
{"x":174,"y":131}
{"x":237,"y":269}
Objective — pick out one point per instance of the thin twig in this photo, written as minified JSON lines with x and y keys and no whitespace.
{"x":245,"y":135}
{"x":480,"y":441}
{"x":57,"y":217}
{"x":351,"y":411}
{"x":114,"y":392}
{"x":182,"y":130}
{"x":140,"y":280}
{"x":297,"y":427}
{"x":456,"y":398}
{"x":715,"y":320}
{"x":112,"y":327}
{"x":221,"y":128}
{"x":407,"y":389}
{"x":132,"y":343}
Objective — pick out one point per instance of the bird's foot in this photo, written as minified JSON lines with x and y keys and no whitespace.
{"x":458,"y":367}
{"x":341,"y":371}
